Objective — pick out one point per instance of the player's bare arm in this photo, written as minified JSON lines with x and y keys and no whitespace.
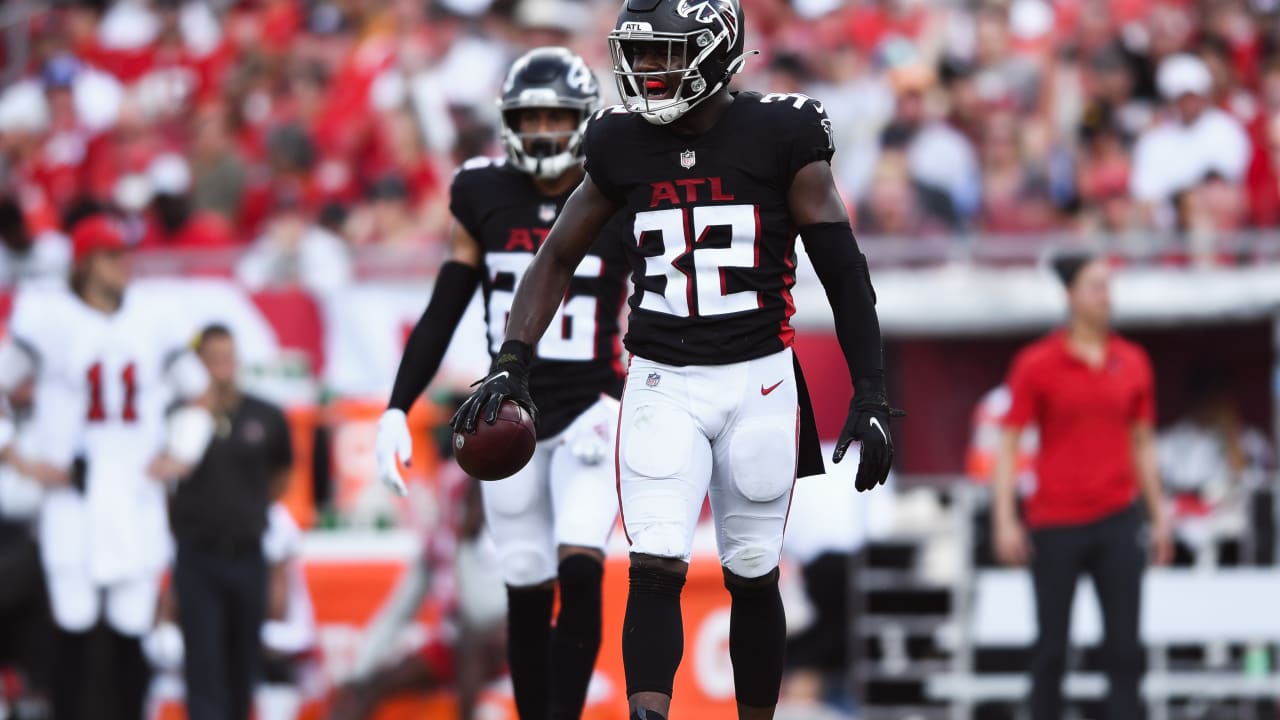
{"x":424,"y":350}
{"x":1012,"y":547}
{"x":535,"y":303}
{"x":1148,"y":469}
{"x":814,"y":198}
{"x":820,"y":214}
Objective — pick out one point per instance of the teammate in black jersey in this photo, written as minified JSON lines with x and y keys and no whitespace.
{"x":551,"y":520}
{"x":714,"y":186}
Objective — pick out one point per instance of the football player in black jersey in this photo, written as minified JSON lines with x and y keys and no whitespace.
{"x":551,"y":520}
{"x":714,"y":186}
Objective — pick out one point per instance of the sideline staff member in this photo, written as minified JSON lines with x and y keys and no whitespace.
{"x":219,"y":514}
{"x":1091,"y":394}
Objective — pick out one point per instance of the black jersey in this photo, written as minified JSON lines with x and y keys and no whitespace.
{"x":712,"y":242}
{"x":577,"y":358}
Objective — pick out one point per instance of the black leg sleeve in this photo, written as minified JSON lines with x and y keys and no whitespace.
{"x":455,"y":284}
{"x":576,"y":640}
{"x":842,"y":269}
{"x":757,"y":638}
{"x":653,"y":630}
{"x":529,"y":649}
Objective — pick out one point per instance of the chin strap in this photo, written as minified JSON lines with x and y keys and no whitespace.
{"x":666,"y":116}
{"x":735,"y":67}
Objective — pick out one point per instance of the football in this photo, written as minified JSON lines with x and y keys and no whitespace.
{"x":499,"y":450}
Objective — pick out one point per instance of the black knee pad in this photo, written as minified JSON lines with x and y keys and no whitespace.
{"x":757,"y":638}
{"x":737,"y":585}
{"x":653,"y":631}
{"x":580,"y":575}
{"x":580,"y":579}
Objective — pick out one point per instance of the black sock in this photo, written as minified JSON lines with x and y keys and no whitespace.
{"x":131,"y":674}
{"x":71,"y":657}
{"x":529,"y":648}
{"x":757,"y":638}
{"x":652,"y":631}
{"x":576,"y":640}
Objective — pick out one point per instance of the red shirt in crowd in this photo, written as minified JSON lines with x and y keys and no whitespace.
{"x":1085,"y":470}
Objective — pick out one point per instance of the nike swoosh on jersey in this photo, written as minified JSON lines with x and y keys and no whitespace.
{"x":766,"y":390}
{"x":504,"y":373}
{"x":875,"y":423}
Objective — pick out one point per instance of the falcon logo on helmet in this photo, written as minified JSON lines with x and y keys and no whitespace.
{"x":670,"y":55}
{"x":708,"y":11}
{"x":548,"y":77}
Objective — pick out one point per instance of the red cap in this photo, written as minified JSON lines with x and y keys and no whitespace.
{"x":94,"y":234}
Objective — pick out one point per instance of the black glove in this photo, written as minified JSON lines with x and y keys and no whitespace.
{"x":868,"y":423}
{"x":508,"y":379}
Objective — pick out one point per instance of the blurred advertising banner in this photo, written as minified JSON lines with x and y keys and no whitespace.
{"x":347,"y":592}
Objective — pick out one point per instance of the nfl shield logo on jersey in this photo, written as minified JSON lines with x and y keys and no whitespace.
{"x":687,"y":159}
{"x":547,"y":212}
{"x":653,"y":380}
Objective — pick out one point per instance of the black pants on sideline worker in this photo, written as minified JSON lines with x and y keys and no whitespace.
{"x":1109,"y":551}
{"x":219,"y":515}
{"x":222,"y":599}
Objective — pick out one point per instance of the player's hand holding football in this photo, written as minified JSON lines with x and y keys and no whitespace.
{"x":508,"y":379}
{"x":868,"y":423}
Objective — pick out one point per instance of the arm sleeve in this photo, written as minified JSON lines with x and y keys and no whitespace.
{"x":1024,"y":398}
{"x":426,"y":346}
{"x":842,"y":269}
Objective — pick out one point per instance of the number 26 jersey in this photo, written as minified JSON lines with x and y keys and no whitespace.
{"x":712,"y":241}
{"x":577,"y":358}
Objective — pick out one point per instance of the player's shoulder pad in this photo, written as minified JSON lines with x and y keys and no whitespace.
{"x":793,"y":111}
{"x":479,"y":166}
{"x":607,"y":121}
{"x":475,"y":175}
{"x":609,"y":111}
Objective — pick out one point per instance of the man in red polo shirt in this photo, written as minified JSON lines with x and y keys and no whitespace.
{"x":1091,"y":394}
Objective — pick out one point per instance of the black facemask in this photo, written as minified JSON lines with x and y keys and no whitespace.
{"x":542,"y":148}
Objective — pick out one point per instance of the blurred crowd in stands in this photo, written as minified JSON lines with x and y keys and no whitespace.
{"x":300,"y":130}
